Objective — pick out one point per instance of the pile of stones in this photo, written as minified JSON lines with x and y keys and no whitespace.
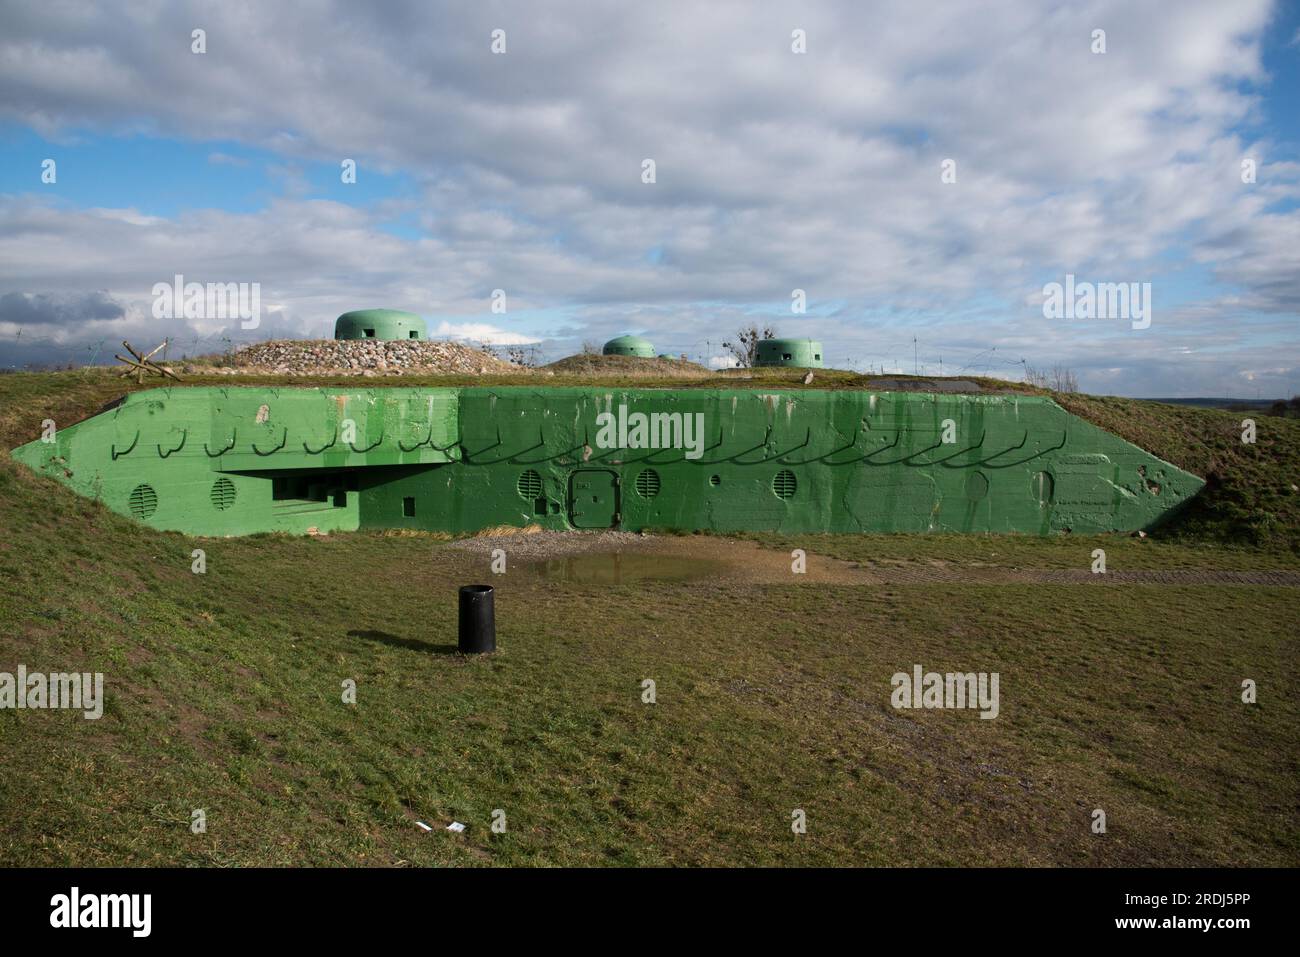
{"x":367,"y":357}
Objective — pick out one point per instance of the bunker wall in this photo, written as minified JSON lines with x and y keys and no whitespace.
{"x":237,"y":460}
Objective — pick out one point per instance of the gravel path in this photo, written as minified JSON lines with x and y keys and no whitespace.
{"x":539,"y":546}
{"x":1014,"y":576}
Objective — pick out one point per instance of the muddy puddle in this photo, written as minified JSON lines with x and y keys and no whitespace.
{"x":621,"y":568}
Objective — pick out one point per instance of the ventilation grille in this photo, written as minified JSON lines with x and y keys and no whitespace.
{"x":784,"y":484}
{"x":530,"y":484}
{"x":647,"y":483}
{"x":143,"y":501}
{"x":223,"y":494}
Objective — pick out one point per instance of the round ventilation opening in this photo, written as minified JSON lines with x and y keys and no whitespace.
{"x":530,"y":484}
{"x":223,"y":494}
{"x":785,"y":484}
{"x":647,"y":483}
{"x":715,"y":479}
{"x":143,"y":501}
{"x":977,"y":487}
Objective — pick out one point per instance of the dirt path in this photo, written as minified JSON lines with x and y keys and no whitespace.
{"x":1004,"y":576}
{"x":622,"y":557}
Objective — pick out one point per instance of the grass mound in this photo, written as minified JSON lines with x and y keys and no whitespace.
{"x":629,"y":366}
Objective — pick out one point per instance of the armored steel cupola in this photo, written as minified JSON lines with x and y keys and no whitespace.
{"x":630,"y":346}
{"x":801,"y":353}
{"x":380,"y":324}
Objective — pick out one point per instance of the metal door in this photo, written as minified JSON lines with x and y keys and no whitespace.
{"x":593,"y":499}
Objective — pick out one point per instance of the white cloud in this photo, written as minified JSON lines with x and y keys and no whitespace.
{"x":775,"y":171}
{"x":482,"y":332}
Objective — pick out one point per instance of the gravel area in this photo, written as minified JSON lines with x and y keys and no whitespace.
{"x":537,"y":546}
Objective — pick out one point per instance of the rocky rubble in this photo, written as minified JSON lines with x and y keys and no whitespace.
{"x":366,"y":357}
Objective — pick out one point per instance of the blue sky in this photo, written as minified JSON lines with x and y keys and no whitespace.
{"x":776,"y":171}
{"x":165,"y":176}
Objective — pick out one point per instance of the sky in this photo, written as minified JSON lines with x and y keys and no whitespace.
{"x":919,"y":173}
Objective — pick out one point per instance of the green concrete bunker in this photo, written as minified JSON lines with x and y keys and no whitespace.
{"x":239,"y":460}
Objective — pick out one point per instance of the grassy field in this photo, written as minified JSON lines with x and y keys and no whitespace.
{"x":224,"y":691}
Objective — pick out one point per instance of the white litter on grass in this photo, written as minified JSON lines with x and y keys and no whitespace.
{"x":422,"y":826}
{"x":456,"y":826}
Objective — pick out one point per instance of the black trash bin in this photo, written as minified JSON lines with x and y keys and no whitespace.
{"x":478,"y":621}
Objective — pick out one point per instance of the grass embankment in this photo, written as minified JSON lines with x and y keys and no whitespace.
{"x":1252,"y":493}
{"x":224,"y":694}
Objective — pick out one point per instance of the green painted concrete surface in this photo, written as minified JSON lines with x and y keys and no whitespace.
{"x":232,"y":461}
